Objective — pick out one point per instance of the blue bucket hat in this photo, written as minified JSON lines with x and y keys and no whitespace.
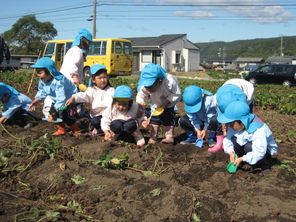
{"x":7,"y":89}
{"x":82,"y":33}
{"x":227,"y":94}
{"x":123,"y":93}
{"x":239,"y":110}
{"x":97,"y":67}
{"x":150,"y":73}
{"x":192,"y":98}
{"x":48,"y":63}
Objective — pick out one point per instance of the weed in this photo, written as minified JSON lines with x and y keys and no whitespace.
{"x":285,"y":165}
{"x":77,"y":179}
{"x":108,"y":161}
{"x":157,"y":168}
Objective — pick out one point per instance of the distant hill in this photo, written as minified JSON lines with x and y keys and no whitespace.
{"x":249,"y":48}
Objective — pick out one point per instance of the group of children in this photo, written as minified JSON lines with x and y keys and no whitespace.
{"x":227,"y":115}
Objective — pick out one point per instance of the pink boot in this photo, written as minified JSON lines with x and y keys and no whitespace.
{"x":139,"y":137}
{"x":218,"y":145}
{"x":169,"y":135}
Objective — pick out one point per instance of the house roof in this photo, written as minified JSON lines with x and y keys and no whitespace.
{"x":279,"y":59}
{"x":220,"y":59}
{"x":160,"y":41}
{"x":249,"y":59}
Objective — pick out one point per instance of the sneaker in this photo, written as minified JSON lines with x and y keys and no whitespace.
{"x":188,"y":141}
{"x":211,"y":142}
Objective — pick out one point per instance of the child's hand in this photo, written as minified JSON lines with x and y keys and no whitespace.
{"x":108,"y":135}
{"x":2,"y":119}
{"x":231,"y":157}
{"x":32,"y":107}
{"x":238,"y":161}
{"x":201,"y":134}
{"x":145,"y":123}
{"x":69,"y":101}
{"x":49,"y":119}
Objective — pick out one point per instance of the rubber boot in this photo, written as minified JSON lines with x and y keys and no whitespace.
{"x":211,"y":139}
{"x":61,"y":129}
{"x":169,"y":135}
{"x":219,"y":144}
{"x":139,"y":137}
{"x":75,"y":129}
{"x":153,"y":134}
{"x":191,"y":138}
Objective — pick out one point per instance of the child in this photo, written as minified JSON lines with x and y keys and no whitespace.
{"x":164,"y":92}
{"x":247,"y":136}
{"x":55,"y":85}
{"x":224,"y":96}
{"x":121,"y":116}
{"x":99,"y":95}
{"x":15,"y":107}
{"x":198,"y":104}
{"x":72,"y":66}
{"x":244,"y":85}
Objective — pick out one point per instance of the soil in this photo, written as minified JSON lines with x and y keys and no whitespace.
{"x":187,"y":183}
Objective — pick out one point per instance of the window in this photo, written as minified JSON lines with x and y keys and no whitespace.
{"x":97,"y":48}
{"x":176,"y":57}
{"x":50,"y":49}
{"x":264,"y":69}
{"x":127,"y":48}
{"x":147,"y":56}
{"x":117,"y":47}
{"x":277,"y":69}
{"x":289,"y":69}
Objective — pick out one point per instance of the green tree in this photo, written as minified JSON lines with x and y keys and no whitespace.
{"x":28,"y":35}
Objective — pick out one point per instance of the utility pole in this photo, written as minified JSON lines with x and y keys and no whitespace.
{"x":282,"y":54}
{"x":94,"y":19}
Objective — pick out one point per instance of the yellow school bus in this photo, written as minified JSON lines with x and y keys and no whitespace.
{"x":116,"y":54}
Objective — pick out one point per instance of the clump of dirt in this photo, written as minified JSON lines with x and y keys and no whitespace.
{"x":184,"y":183}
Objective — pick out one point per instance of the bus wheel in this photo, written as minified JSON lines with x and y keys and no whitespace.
{"x":86,"y":71}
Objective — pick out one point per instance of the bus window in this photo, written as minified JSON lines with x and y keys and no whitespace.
{"x":118,"y":47}
{"x":104,"y":48}
{"x":127,"y":48}
{"x":97,"y":48}
{"x":60,"y":51}
{"x":50,"y":49}
{"x":94,"y":48}
{"x":68,"y":46}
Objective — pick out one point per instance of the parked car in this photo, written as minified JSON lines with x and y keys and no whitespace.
{"x":13,"y":65}
{"x":274,"y":73}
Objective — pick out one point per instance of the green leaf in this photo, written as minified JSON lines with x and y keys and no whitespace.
{"x":147,"y":173}
{"x":52,"y":214}
{"x":196,"y":218}
{"x":77,"y":179}
{"x":155,"y":192}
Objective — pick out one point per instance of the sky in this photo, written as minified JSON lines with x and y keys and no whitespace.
{"x":201,"y":20}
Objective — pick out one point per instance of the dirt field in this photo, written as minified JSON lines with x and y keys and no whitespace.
{"x":186,"y":183}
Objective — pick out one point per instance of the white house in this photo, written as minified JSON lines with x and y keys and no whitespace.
{"x":173,"y":52}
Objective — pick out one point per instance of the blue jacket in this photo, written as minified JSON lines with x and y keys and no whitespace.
{"x":15,"y":102}
{"x":204,"y":115}
{"x":58,"y":90}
